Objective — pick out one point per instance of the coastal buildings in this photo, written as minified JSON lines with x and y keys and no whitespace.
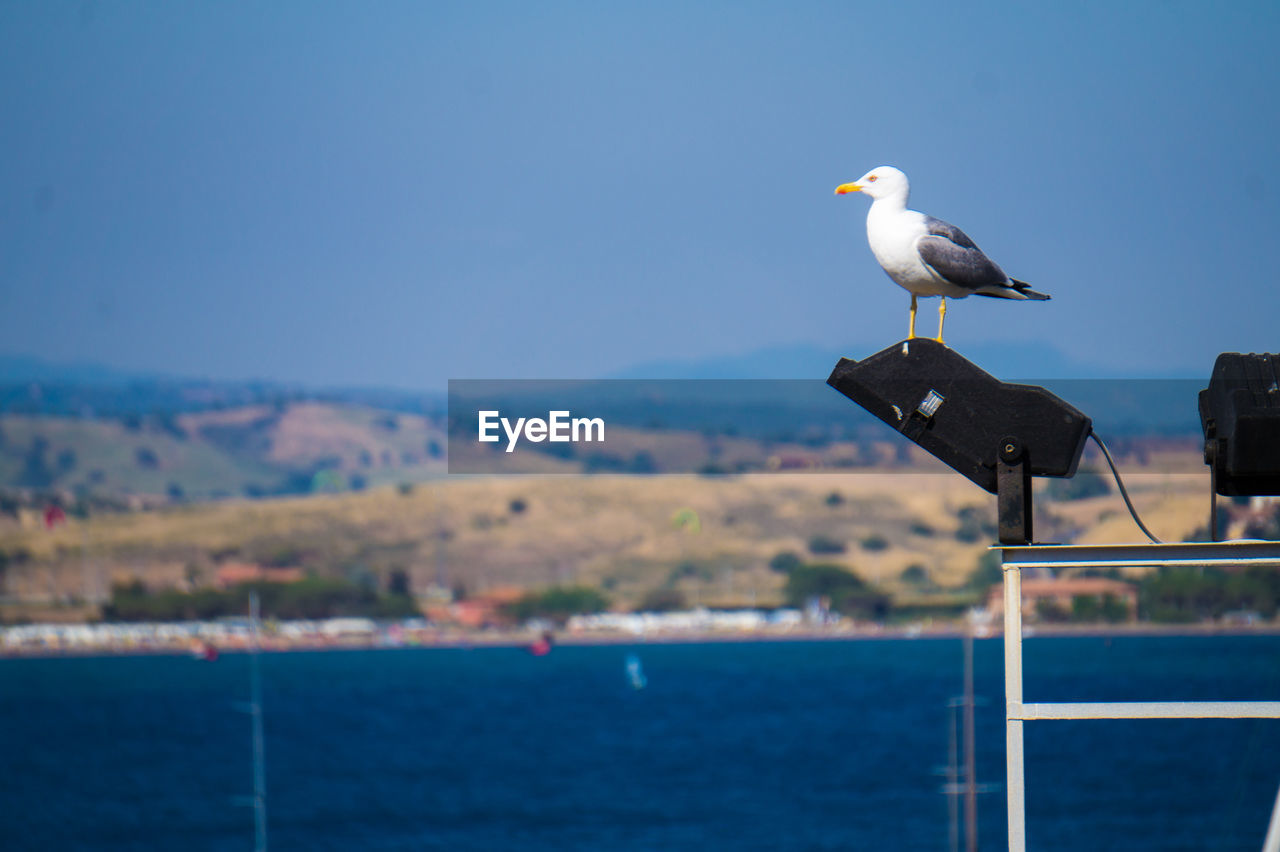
{"x":1047,"y":596}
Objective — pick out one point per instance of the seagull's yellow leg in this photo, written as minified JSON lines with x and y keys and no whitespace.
{"x":942,"y":315}
{"x":911,"y":331}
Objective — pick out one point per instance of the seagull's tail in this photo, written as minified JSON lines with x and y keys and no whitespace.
{"x":1025,"y":291}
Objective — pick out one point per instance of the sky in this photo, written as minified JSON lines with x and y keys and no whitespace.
{"x":400,"y":193}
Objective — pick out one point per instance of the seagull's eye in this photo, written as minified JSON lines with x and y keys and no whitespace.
{"x":871,"y":179}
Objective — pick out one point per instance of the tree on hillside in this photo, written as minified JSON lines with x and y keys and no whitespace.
{"x":66,"y":460}
{"x":1266,"y":528}
{"x":398,"y":583}
{"x":975,"y":525}
{"x":662,"y":599}
{"x":309,"y":598}
{"x":916,"y":575}
{"x":1083,"y":485}
{"x":1091,"y":608}
{"x":1189,"y":594}
{"x":874,"y":543}
{"x":988,"y":572}
{"x":557,"y":604}
{"x":847,"y":593}
{"x":146,"y":458}
{"x":785,"y":561}
{"x":35,"y":466}
{"x":821,"y":545}
{"x":689,"y":570}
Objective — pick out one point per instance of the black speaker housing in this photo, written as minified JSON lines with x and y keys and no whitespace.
{"x":963,"y":415}
{"x":1240,"y":416}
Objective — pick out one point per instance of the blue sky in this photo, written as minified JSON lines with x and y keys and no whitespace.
{"x":401,"y":193}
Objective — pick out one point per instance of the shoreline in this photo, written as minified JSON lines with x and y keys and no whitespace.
{"x":520,"y":639}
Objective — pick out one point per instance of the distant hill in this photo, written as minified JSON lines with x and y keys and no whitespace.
{"x":1032,"y":361}
{"x":253,"y":450}
{"x":1119,"y":402}
{"x":24,"y":369}
{"x":36,"y":387}
{"x":103,"y":431}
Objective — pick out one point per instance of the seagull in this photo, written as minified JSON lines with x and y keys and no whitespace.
{"x":927,"y":256}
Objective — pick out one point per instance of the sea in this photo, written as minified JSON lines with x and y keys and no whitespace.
{"x":786,"y":745}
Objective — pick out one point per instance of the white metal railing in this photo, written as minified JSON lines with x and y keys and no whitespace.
{"x":1014,"y":559}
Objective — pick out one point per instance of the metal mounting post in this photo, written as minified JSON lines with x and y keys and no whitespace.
{"x":1013,"y":492}
{"x":1200,"y":554}
{"x":1015,"y":790}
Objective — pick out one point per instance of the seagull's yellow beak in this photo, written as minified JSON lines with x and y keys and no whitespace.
{"x":844,"y":188}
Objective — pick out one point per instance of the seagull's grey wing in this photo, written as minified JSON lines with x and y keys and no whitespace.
{"x":939,"y":228}
{"x":949,"y":252}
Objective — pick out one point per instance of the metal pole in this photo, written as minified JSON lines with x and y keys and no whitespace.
{"x":953,"y":781}
{"x":970,"y":772}
{"x":1194,"y":554}
{"x":1213,"y":504}
{"x":1013,"y":708}
{"x":90,"y":597}
{"x":1153,"y":710}
{"x":259,"y":750}
{"x":1272,"y":843}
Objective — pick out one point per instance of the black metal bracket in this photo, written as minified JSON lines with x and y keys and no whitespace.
{"x":1013,"y":492}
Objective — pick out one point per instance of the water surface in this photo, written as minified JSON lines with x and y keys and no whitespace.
{"x":762,"y":745}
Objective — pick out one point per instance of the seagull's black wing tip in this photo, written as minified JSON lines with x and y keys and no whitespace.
{"x":1025,"y":289}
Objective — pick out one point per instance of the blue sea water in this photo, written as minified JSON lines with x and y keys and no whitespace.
{"x":759,"y":745}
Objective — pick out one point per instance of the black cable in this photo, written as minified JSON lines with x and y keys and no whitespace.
{"x":1123,"y":492}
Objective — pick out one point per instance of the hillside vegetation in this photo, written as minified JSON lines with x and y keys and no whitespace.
{"x":254,"y":451}
{"x":723,"y":541}
{"x":360,"y":494}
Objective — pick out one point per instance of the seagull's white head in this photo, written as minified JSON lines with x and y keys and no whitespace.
{"x":880,"y":182}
